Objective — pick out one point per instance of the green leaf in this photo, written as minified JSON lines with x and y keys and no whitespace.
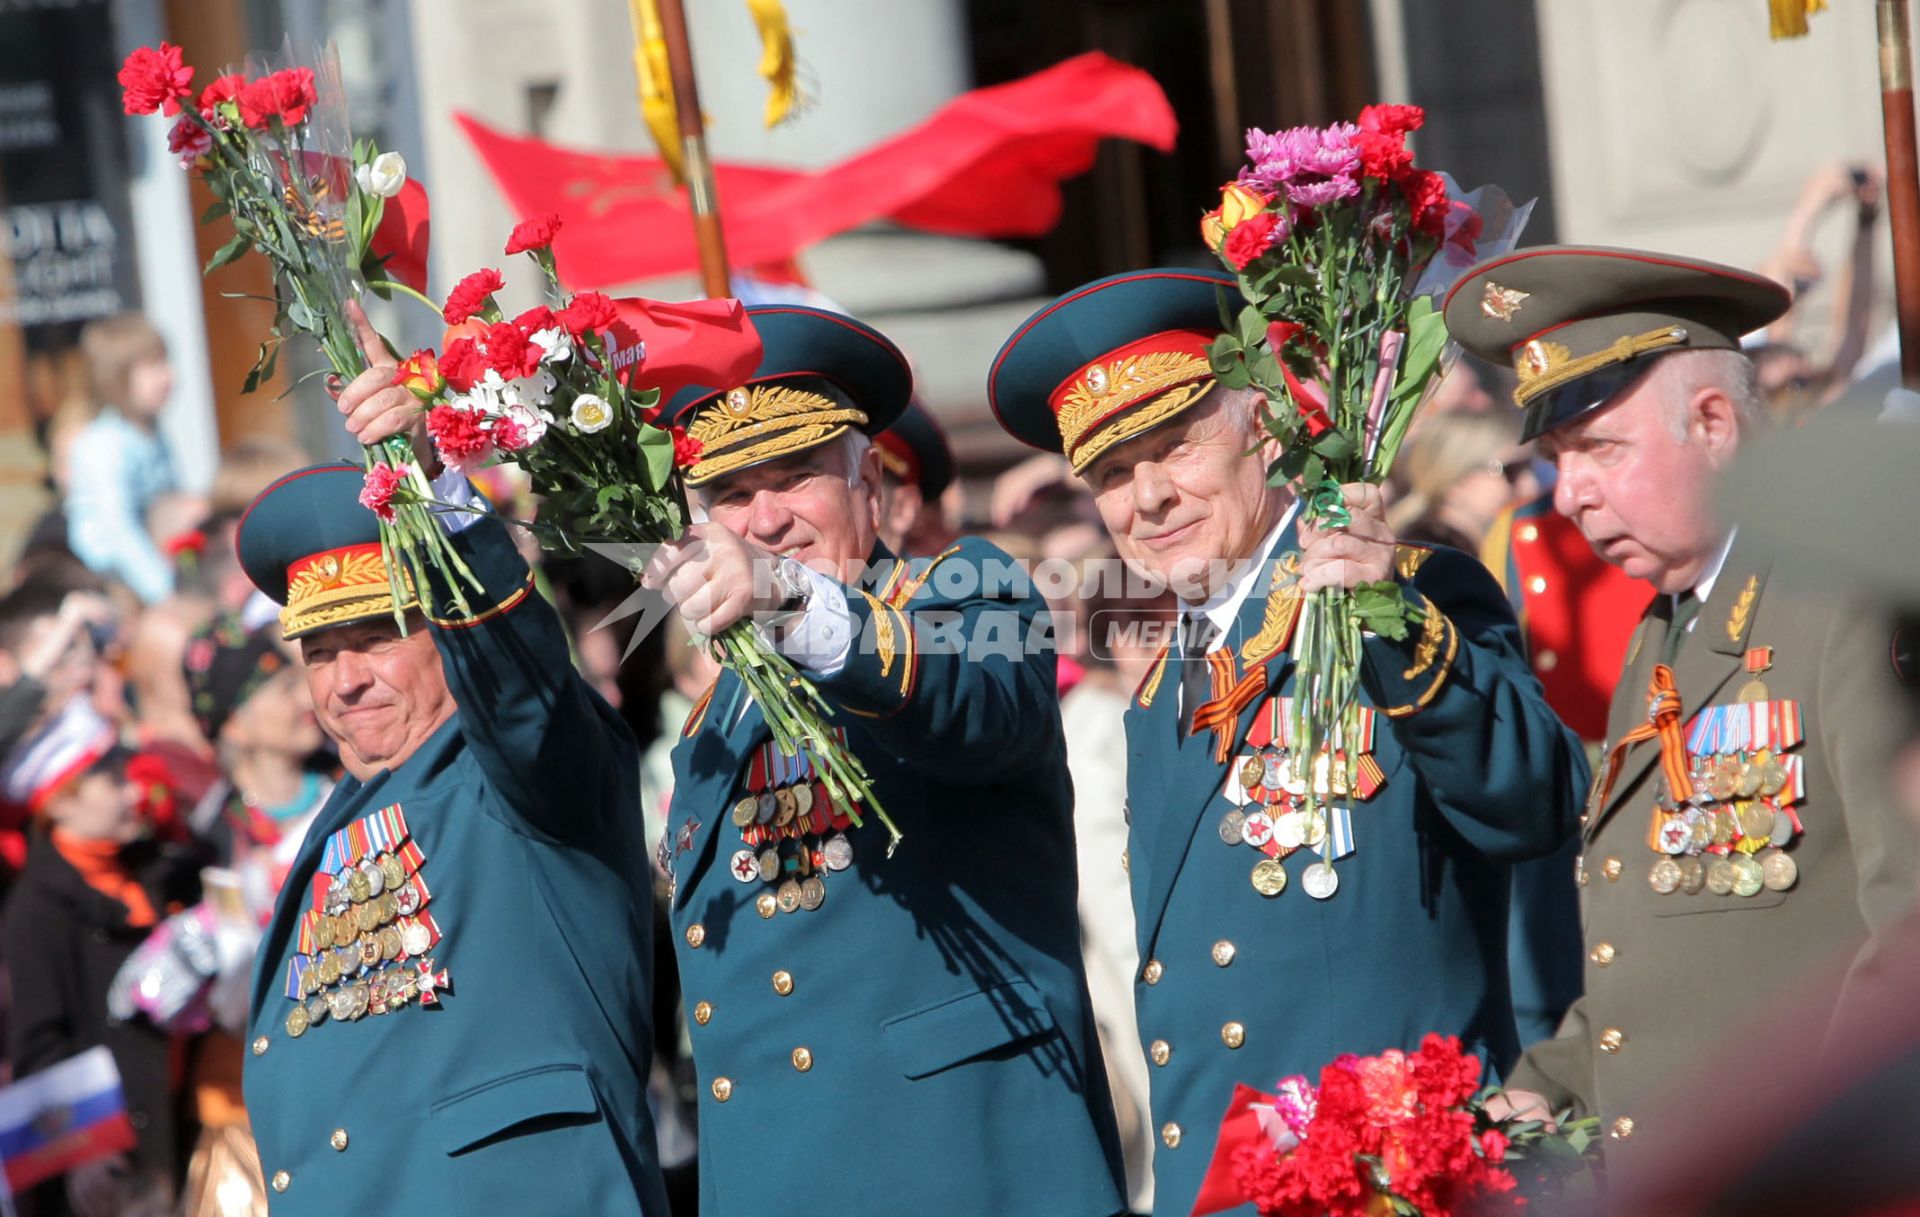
{"x":214,"y":211}
{"x":1294,"y":276}
{"x":656,"y":446}
{"x":226,"y":253}
{"x":1380,"y":607}
{"x":1426,"y":340}
{"x":1253,"y":327}
{"x":1234,"y":375}
{"x":1226,"y":309}
{"x":1336,"y":446}
{"x":299,"y":315}
{"x":607,"y":495}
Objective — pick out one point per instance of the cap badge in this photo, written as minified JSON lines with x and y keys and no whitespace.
{"x":1501,"y":303}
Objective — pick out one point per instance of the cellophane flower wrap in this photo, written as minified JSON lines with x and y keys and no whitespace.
{"x":270,"y":141}
{"x":570,"y":392}
{"x":1401,"y":1132}
{"x":1340,"y":244}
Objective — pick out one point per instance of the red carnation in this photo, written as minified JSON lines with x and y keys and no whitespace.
{"x":224,"y":89}
{"x":1392,"y":120}
{"x":536,"y":233}
{"x":153,"y":80}
{"x":535,"y":319}
{"x":462,"y":365}
{"x":1426,"y":195}
{"x":471,"y":295}
{"x":508,"y":434}
{"x":686,"y":449}
{"x":509,"y":352}
{"x":463,"y":444}
{"x":1250,"y":238}
{"x":284,"y":95}
{"x":382,"y":483}
{"x":588,"y":312}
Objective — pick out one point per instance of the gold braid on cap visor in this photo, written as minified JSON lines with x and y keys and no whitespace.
{"x":758,"y":423}
{"x":1098,"y":395}
{"x":339,"y":586}
{"x":1545,"y":366}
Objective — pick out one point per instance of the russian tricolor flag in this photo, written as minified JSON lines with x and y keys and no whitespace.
{"x":62,"y":1117}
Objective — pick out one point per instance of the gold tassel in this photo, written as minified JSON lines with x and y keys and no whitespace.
{"x":777,"y":64}
{"x":1790,"y":16}
{"x":656,"y":84}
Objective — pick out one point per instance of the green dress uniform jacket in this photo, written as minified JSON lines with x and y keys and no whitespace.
{"x":917,"y":1038}
{"x":1236,"y":986}
{"x":1672,"y":977}
{"x":521,"y":1088}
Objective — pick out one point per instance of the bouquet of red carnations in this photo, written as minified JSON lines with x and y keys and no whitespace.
{"x":1340,"y":244}
{"x":570,"y":392}
{"x":329,"y":215}
{"x":1404,"y":1133}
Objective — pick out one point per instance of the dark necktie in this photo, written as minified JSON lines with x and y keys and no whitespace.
{"x":1685,"y":609}
{"x":1196,"y":677}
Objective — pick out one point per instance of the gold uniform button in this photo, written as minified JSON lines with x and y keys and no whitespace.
{"x":1611,"y":868}
{"x":1537,"y":584}
{"x":1529,"y":532}
{"x":696,"y":934}
{"x":1621,"y":1129}
{"x":802,"y":1059}
{"x":281,"y":1181}
{"x":1546,"y":661}
{"x":338,"y":1140}
{"x":1151,"y":973}
{"x":260,"y":1046}
{"x":1170,"y":1135}
{"x":1160,"y":1051}
{"x":1233,"y":1035}
{"x":766,"y":904}
{"x":702,"y":1012}
{"x":722,"y":1089}
{"x":1223,"y":952}
{"x":1611,"y":1039}
{"x":783,"y":983}
{"x":1602,"y":954}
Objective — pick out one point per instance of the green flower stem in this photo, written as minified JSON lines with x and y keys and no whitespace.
{"x":393,"y":286}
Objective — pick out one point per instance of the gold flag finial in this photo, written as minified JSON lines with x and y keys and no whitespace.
{"x":1790,"y":16}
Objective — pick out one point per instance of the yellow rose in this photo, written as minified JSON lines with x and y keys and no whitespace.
{"x":1238,"y":203}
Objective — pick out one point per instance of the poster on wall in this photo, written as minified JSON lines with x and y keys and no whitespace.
{"x":63,"y":171}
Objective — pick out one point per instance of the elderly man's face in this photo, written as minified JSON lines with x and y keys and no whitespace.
{"x":379,"y":695}
{"x":1188,"y":495}
{"x":804,"y":506}
{"x":1641,"y":495}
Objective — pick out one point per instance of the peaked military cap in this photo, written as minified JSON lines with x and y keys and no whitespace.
{"x":820,"y":372}
{"x":1580,"y":323}
{"x":916,"y":451}
{"x":1109,"y":361}
{"x":312,"y":548}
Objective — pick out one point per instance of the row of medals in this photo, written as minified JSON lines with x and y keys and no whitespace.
{"x":795,"y":861}
{"x":1747,"y":821}
{"x":1289,"y":829}
{"x":360,"y":932}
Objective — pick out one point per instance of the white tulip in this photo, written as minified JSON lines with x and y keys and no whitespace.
{"x":384,"y":176}
{"x":591,"y":413}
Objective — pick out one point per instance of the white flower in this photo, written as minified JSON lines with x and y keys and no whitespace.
{"x":554,"y":343}
{"x":539,"y":387}
{"x":591,"y":414}
{"x":384,"y":176}
{"x":533,"y":423}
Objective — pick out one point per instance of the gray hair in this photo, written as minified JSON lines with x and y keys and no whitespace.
{"x":1681,"y":375}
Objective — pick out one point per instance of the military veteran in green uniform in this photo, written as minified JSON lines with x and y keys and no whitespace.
{"x":451,"y":1007}
{"x":1274,"y":939}
{"x":873,"y":1034}
{"x":1739,"y":833}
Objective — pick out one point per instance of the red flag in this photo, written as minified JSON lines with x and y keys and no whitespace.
{"x":1219,"y":1190}
{"x":988,"y":163}
{"x":401,"y":236}
{"x":693,"y":342}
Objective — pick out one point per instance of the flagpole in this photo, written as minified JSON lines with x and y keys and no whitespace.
{"x":1903,"y":178}
{"x":701,"y":193}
